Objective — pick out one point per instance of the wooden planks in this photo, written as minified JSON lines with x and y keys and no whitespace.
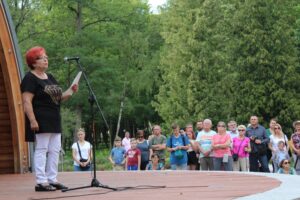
{"x":11,"y":108}
{"x":6,"y":146}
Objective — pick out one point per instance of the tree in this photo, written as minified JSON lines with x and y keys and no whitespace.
{"x":194,"y":64}
{"x":265,"y":58}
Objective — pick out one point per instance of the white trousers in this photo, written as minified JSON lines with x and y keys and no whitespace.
{"x":46,"y":157}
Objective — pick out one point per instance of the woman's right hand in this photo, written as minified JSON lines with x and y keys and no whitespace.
{"x":74,"y":88}
{"x":34,"y":125}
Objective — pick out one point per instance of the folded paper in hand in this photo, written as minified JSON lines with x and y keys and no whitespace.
{"x":75,"y":82}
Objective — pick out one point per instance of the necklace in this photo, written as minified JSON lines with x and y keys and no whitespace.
{"x":41,"y":75}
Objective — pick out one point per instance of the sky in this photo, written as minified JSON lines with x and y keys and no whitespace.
{"x":154,"y":4}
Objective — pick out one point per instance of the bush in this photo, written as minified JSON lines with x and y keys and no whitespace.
{"x":102,"y":162}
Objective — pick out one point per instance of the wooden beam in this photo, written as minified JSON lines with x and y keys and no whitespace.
{"x":11,"y":80}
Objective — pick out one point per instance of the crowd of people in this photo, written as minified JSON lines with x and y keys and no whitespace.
{"x":238,"y":148}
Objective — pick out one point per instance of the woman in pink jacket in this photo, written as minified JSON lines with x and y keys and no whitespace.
{"x":241,"y":148}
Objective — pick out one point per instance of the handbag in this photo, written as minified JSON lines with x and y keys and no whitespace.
{"x":83,"y":160}
{"x":235,"y":156}
{"x":178,"y":154}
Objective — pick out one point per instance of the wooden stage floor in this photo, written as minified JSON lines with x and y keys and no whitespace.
{"x":148,"y":185}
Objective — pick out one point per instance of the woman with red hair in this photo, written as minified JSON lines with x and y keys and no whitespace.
{"x":42,"y":97}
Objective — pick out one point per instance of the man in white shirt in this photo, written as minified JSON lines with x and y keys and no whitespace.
{"x":204,"y":138}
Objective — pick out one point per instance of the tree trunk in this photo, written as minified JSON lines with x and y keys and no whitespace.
{"x":121,"y":109}
{"x":119,"y":118}
{"x":79,"y":17}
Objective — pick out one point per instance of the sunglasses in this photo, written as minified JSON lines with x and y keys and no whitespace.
{"x":240,"y":130}
{"x":278,"y":128}
{"x":221,"y":125}
{"x":286,"y":163}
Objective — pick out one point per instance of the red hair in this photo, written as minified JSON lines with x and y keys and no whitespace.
{"x":32,"y":54}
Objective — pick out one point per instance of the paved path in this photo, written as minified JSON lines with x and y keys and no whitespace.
{"x":288,"y":190}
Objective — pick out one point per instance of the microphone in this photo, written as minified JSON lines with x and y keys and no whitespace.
{"x":71,"y":58}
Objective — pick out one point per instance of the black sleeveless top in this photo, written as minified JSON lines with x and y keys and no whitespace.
{"x":45,"y":103}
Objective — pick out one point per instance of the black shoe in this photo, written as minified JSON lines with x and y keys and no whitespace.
{"x":44,"y":188}
{"x":59,"y":186}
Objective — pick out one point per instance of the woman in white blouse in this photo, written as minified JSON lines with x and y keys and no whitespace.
{"x":273,"y":145}
{"x":81,"y":152}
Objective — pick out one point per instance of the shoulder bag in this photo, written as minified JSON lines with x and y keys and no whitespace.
{"x":82,"y":159}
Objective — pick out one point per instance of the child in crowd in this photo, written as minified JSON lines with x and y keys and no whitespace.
{"x":133,"y":157}
{"x":280,"y":154}
{"x":117,"y":155}
{"x":155,"y":164}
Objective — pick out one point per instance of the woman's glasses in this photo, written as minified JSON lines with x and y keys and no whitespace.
{"x":278,"y":128}
{"x":286,"y":162}
{"x":240,"y":130}
{"x":42,"y":58}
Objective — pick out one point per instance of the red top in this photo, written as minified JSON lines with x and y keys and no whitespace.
{"x":133,"y":156}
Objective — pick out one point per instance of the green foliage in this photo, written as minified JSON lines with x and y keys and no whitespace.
{"x":102,"y":162}
{"x":68,"y":126}
{"x":194,"y":62}
{"x":223,"y":60}
{"x":266,"y":61}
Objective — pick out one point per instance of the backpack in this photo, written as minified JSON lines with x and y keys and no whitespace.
{"x":178,"y":153}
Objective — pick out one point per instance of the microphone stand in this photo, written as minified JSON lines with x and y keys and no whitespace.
{"x":92,"y":99}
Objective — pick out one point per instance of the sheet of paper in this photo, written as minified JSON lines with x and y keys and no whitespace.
{"x":75,"y":81}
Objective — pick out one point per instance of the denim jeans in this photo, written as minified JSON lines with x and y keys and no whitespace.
{"x":132,"y":167}
{"x":218,"y":162}
{"x":255,"y":159}
{"x":78,"y":169}
{"x":179,"y":167}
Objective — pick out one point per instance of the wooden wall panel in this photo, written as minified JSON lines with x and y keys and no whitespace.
{"x":11,"y":107}
{"x":6,"y":146}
